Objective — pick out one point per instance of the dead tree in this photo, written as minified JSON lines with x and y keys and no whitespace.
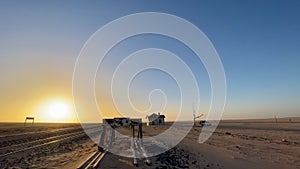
{"x":196,"y":116}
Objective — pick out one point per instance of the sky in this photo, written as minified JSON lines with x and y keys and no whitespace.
{"x":257,"y":42}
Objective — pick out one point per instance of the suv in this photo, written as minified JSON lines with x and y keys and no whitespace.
{"x":204,"y":123}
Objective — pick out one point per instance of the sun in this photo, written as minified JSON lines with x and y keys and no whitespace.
{"x":58,"y":111}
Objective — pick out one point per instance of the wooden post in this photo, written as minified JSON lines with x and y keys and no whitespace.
{"x":29,"y":118}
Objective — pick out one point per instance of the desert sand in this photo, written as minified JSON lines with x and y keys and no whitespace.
{"x":248,"y":144}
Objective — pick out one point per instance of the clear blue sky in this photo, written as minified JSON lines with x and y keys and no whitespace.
{"x":257,"y":41}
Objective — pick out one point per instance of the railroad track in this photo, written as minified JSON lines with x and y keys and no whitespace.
{"x":137,"y":149}
{"x":40,"y":132}
{"x":93,"y":161}
{"x":20,"y":138}
{"x":34,"y":146}
{"x":39,"y":141}
{"x":22,"y":147}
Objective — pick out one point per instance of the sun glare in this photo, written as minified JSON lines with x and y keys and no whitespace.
{"x":57,"y":111}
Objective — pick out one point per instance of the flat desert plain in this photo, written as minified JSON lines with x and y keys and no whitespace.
{"x":247,"y":144}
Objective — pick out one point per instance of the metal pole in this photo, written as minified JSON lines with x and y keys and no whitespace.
{"x":111,"y":137}
{"x":102,"y":137}
{"x":141,"y":133}
{"x":133,"y":146}
{"x":148,"y":162}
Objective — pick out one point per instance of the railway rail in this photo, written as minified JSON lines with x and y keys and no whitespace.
{"x":30,"y":145}
{"x":94,"y":160}
{"x":107,"y":139}
{"x":34,"y":146}
{"x":19,"y":138}
{"x":40,"y":132}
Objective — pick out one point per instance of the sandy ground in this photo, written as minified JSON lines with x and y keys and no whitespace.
{"x":65,"y":154}
{"x":235,"y":144}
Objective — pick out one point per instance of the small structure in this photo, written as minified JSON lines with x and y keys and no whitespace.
{"x":122,"y":121}
{"x":118,"y":121}
{"x":29,"y":118}
{"x":108,"y":121}
{"x":156,"y":119}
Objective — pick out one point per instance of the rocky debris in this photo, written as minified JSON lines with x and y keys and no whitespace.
{"x":173,"y":158}
{"x":228,"y":133}
{"x":178,"y":158}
